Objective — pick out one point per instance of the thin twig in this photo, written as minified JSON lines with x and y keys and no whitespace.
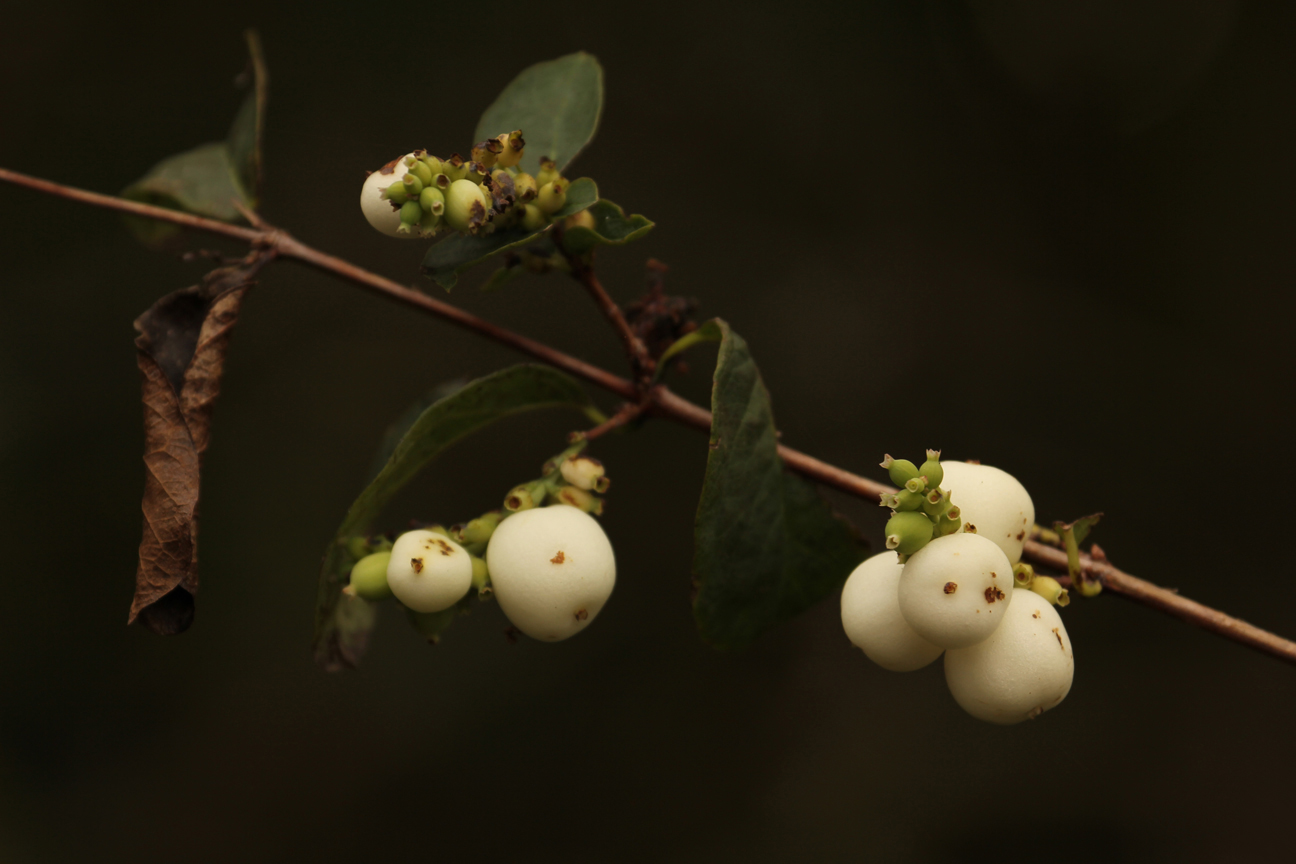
{"x":663,"y":403}
{"x":641,"y":363}
{"x":626,"y":413}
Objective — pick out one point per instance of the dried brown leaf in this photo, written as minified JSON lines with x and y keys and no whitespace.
{"x":182,"y":343}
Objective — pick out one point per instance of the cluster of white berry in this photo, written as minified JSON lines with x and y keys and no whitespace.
{"x":418,"y":194}
{"x":550,"y":567}
{"x":963,"y":593}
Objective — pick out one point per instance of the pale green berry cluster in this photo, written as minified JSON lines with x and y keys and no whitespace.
{"x":550,"y":567}
{"x":921,"y":510}
{"x":421,"y":195}
{"x":963,"y":594}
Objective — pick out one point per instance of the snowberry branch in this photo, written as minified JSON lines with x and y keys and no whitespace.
{"x":659,"y":401}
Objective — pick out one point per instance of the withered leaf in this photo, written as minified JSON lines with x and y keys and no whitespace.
{"x":182,"y":342}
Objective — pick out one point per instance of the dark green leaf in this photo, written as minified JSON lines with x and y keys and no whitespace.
{"x":766,"y":545}
{"x":342,"y":625}
{"x":556,"y":104}
{"x":612,"y":227}
{"x":447,"y":259}
{"x":209,"y":179}
{"x":245,"y":136}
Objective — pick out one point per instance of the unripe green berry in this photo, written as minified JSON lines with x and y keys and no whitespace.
{"x":1051,"y":590}
{"x":395,"y":193}
{"x":369,"y":577}
{"x":480,"y":577}
{"x":907,"y":532}
{"x":433,"y":163}
{"x":906,"y":500}
{"x":454,"y":167}
{"x":432,"y":201}
{"x":421,"y":170}
{"x":583,"y":219}
{"x":511,"y":149}
{"x":525,"y":187}
{"x":901,"y":471}
{"x":917,"y":485}
{"x":413,"y":186}
{"x":410,"y":214}
{"x":465,"y":205}
{"x":548,"y":172}
{"x":487,"y":152}
{"x":552,"y":196}
{"x":931,"y":469}
{"x":533,"y":219}
{"x":935,"y":502}
{"x":479,"y":530}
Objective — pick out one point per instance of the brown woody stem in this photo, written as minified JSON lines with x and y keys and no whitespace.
{"x":662,"y":402}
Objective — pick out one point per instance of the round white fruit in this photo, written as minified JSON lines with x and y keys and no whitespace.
{"x":428,"y":572}
{"x":993,"y":501}
{"x":1023,"y":669}
{"x":954,"y":591}
{"x":870,"y":610}
{"x":552,"y":569}
{"x":377,"y":209}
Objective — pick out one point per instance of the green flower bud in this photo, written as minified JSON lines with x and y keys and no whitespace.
{"x":487,"y":152}
{"x":907,"y":532}
{"x":900,"y":470}
{"x":441,"y":182}
{"x":413,"y":186}
{"x":524,"y":186}
{"x":479,"y":530}
{"x":548,"y":172}
{"x":369,"y":578}
{"x":525,"y":496}
{"x":465,"y":206}
{"x":511,"y":147}
{"x":432,"y":200}
{"x":1051,"y":590}
{"x":949,"y":523}
{"x":477,"y":172}
{"x":916,"y":485}
{"x":552,"y":196}
{"x":433,"y":163}
{"x":583,"y":219}
{"x":1023,"y":575}
{"x":533,"y":219}
{"x":931,"y":469}
{"x":906,"y":501}
{"x":358,"y":547}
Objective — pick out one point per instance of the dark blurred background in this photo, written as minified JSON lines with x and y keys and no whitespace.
{"x":1066,"y":225}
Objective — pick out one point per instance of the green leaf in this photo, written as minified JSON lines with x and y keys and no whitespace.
{"x":556,"y":104}
{"x":611,"y":228}
{"x":711,"y":331}
{"x":209,"y":179}
{"x":766,"y":545}
{"x":447,"y":259}
{"x":342,"y":624}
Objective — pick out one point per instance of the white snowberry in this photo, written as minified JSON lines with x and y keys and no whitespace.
{"x":377,"y":209}
{"x":993,"y":501}
{"x":552,"y":569}
{"x":1023,"y":669}
{"x":428,"y":572}
{"x":954,"y":591}
{"x":870,"y":610}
